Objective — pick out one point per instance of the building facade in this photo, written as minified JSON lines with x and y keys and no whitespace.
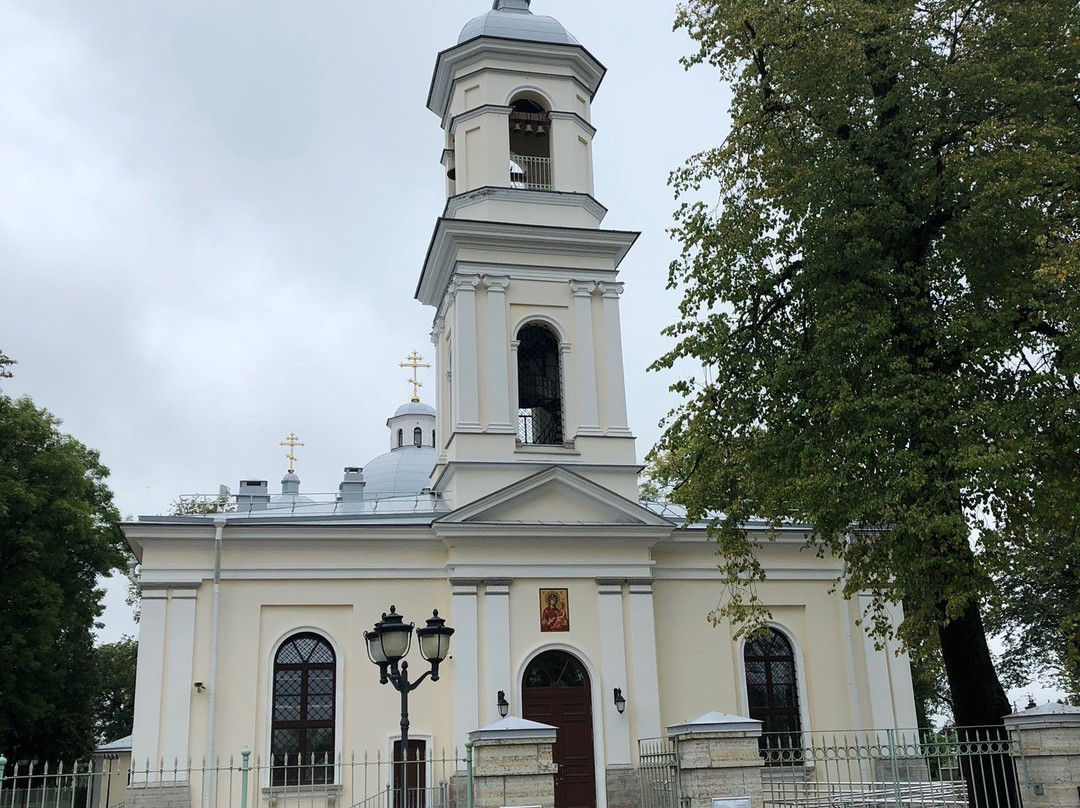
{"x":511,"y":507}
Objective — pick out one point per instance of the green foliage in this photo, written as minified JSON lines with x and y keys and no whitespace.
{"x":885,"y":298}
{"x":5,"y":366}
{"x":58,"y":533}
{"x":114,"y":668}
{"x":200,"y":504}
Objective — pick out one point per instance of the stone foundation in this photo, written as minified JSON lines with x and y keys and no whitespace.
{"x":159,"y":795}
{"x":623,"y":789}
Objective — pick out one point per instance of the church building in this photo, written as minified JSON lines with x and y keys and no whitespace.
{"x":511,"y":507}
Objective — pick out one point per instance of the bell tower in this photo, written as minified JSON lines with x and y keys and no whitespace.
{"x":522,"y":277}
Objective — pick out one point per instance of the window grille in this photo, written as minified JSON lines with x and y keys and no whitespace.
{"x":773,"y":691}
{"x":302,"y":724}
{"x":539,"y":387}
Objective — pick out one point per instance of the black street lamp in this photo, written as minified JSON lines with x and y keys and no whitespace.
{"x":387,"y":645}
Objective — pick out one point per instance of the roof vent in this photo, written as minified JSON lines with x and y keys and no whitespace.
{"x":351,"y":489}
{"x":252,"y":496}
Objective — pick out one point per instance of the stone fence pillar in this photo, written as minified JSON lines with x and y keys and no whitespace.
{"x":513,"y":764}
{"x":718,"y":759}
{"x":1048,"y":773}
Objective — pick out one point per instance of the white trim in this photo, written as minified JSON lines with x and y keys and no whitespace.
{"x":530,"y":88}
{"x":429,"y":769}
{"x":599,"y":752}
{"x":800,"y":676}
{"x":339,"y":693}
{"x":528,"y":319}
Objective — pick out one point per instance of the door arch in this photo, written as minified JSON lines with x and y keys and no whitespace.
{"x":556,"y":690}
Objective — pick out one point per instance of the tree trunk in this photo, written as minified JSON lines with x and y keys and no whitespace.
{"x":979,"y":705}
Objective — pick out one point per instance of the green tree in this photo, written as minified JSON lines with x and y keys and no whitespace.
{"x":885,"y":300}
{"x":58,"y":533}
{"x":114,"y":668}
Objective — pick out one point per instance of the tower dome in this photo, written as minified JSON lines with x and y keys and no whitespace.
{"x":406,"y":469}
{"x":511,"y":19}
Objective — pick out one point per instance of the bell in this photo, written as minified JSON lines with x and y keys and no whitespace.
{"x":529,"y":130}
{"x":517,"y":128}
{"x":540,"y":130}
{"x":451,"y":174}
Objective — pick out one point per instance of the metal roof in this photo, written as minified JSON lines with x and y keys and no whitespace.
{"x":511,"y":19}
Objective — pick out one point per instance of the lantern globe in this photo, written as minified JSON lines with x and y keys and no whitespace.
{"x":395,"y":635}
{"x":435,"y":638}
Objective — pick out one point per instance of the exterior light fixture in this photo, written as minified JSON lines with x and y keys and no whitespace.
{"x":388,"y":644}
{"x":620,"y":702}
{"x":503,"y":705}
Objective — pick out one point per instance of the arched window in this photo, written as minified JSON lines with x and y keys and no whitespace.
{"x":433,"y":437}
{"x":302,"y":725}
{"x":530,"y":145}
{"x":418,"y":437}
{"x":773,"y":692}
{"x":539,"y":386}
{"x":401,"y":437}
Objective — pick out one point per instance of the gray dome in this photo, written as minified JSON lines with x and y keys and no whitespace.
{"x":401,"y":472}
{"x":415,"y":408}
{"x":511,"y":19}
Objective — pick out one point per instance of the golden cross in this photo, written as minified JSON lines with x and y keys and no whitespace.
{"x":292,"y":442}
{"x":414,"y":363}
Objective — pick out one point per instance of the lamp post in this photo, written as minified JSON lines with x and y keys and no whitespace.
{"x":387,"y":645}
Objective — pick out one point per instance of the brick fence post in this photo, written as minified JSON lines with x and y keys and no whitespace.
{"x":718,"y":759}
{"x":1048,"y":758}
{"x":513,"y":764}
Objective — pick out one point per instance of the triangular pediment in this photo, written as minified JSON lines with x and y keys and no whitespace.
{"x":555,"y":496}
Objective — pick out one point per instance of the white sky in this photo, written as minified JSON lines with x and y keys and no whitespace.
{"x":213,"y":216}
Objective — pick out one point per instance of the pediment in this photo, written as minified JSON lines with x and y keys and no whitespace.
{"x":555,"y":496}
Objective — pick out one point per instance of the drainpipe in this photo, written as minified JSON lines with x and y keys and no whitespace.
{"x":219,"y":528}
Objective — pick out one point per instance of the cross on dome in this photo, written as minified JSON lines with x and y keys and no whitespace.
{"x":413,"y":361}
{"x":292,"y":442}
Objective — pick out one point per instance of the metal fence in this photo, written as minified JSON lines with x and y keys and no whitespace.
{"x":658,"y":773}
{"x":242,"y":781}
{"x":974,"y":767}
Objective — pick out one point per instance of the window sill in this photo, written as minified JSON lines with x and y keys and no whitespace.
{"x":547,"y":449}
{"x":324,"y":796}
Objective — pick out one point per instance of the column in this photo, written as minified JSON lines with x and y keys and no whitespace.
{"x":585,"y":359}
{"x":718,"y":757}
{"x":497,"y":647}
{"x":646,"y":693}
{"x":613,"y":662}
{"x":150,"y":677}
{"x":180,"y":657}
{"x":466,"y":661}
{"x":498,"y":341}
{"x":615,"y":422}
{"x":1046,"y":754}
{"x":513,"y":764}
{"x":465,"y":377}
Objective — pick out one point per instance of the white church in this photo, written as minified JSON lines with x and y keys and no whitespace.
{"x":511,"y":507}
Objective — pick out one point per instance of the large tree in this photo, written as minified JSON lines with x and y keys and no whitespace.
{"x":58,"y":533}
{"x":114,"y":669}
{"x":883,"y":295}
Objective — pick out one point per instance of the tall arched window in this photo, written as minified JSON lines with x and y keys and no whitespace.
{"x":773,"y":692}
{"x":540,"y":411}
{"x":302,"y":726}
{"x":401,"y":437}
{"x":418,"y":437}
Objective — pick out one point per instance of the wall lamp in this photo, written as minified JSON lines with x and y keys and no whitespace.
{"x":503,"y":704}
{"x":620,"y":702}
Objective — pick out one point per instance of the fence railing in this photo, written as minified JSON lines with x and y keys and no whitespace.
{"x":243,"y":781}
{"x":530,"y":172}
{"x":658,"y":773}
{"x":956,"y":768}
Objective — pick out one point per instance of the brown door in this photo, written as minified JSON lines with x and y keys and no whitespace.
{"x":556,"y":691}
{"x":414,"y":778}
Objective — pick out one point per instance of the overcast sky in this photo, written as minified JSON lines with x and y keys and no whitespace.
{"x":213,"y":217}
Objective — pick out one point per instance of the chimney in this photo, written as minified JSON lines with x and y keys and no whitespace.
{"x":351,"y":488}
{"x":252,"y":496}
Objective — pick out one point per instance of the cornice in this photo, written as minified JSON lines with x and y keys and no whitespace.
{"x":586,"y":202}
{"x":452,"y":235}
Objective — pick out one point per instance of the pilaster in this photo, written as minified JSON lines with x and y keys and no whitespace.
{"x":613,"y":660}
{"x":585,"y":359}
{"x":615,"y":420}
{"x":498,"y":372}
{"x":465,"y":359}
{"x":466,"y":660}
{"x":497,"y":645}
{"x":646,"y":693}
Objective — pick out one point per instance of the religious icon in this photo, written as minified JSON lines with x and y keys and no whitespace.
{"x":554,"y":610}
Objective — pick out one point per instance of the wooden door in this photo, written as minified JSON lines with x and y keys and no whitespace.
{"x":414,"y":776}
{"x":556,"y":691}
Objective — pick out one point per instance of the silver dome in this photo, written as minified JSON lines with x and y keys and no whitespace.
{"x":401,"y":472}
{"x":511,"y":19}
{"x":415,"y":408}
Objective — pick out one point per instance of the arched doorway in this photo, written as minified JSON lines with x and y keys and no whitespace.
{"x":555,"y":690}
